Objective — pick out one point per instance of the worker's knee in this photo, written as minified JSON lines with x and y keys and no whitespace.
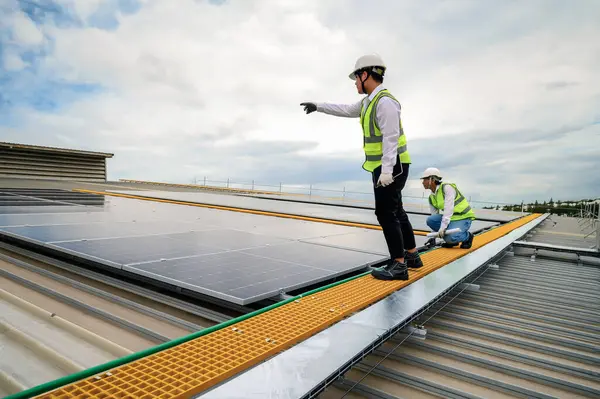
{"x":434,"y":222}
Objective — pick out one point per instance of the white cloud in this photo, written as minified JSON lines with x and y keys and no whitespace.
{"x":24,"y":30}
{"x":13,"y":62}
{"x":178,"y":75}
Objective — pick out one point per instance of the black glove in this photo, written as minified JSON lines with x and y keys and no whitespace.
{"x":309,"y":107}
{"x":430,"y":242}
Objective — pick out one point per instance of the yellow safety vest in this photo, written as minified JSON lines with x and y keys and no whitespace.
{"x":372,"y":137}
{"x":462,"y":209}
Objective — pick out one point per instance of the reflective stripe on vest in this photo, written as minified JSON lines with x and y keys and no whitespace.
{"x":462,"y":209}
{"x":372,"y":137}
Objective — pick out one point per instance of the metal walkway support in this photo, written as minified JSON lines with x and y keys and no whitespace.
{"x":558,"y":248}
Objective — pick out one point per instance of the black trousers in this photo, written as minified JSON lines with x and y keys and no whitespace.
{"x":397,"y":230}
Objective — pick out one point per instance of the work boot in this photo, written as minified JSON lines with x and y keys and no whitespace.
{"x":468,"y":242}
{"x":449,"y":245}
{"x":395,"y":271}
{"x":413,"y":260}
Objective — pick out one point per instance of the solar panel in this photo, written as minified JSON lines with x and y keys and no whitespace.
{"x":368,"y":202}
{"x":249,"y":275}
{"x":23,"y":219}
{"x":354,"y":215}
{"x":233,"y":276}
{"x":128,"y":250}
{"x":370,"y":241}
{"x":317,"y":256}
{"x":76,"y":232}
{"x":16,"y":201}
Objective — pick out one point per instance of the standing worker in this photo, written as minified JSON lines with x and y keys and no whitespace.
{"x":457,"y":212}
{"x":386,"y":157}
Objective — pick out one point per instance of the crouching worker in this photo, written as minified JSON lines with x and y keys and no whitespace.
{"x":457,"y":212}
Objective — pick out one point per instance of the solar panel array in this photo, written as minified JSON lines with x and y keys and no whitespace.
{"x":346,"y":214}
{"x":415,"y":206}
{"x":240,"y":258}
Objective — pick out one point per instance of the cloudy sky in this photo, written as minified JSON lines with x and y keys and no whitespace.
{"x":503,"y":96}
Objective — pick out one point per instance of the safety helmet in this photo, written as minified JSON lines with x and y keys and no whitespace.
{"x":373,"y":62}
{"x":432,"y":172}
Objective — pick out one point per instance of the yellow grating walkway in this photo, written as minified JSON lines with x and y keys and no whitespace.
{"x":192,"y":367}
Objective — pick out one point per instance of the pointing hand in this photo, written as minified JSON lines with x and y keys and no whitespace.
{"x":309,"y":107}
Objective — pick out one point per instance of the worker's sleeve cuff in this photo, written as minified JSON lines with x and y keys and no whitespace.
{"x":445,"y":222}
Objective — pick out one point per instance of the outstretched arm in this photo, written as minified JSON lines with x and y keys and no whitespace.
{"x":344,"y":110}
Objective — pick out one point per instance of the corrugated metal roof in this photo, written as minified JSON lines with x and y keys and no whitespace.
{"x":55,"y":149}
{"x":566,"y":231}
{"x":531,"y":330}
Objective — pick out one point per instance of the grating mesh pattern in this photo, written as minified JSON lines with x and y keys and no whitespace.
{"x":196,"y":365}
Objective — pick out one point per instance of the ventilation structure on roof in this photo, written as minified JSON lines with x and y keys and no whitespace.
{"x":36,"y":162}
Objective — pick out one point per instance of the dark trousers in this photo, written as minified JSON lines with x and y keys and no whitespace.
{"x":397,"y":230}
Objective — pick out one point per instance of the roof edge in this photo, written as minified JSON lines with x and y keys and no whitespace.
{"x":55,"y":149}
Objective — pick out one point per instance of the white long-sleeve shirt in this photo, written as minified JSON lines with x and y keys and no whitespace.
{"x":387,"y":119}
{"x":449,"y":197}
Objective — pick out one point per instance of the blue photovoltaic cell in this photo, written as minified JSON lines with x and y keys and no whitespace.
{"x":128,"y":250}
{"x":322,"y":257}
{"x":77,"y":232}
{"x":371,"y":241}
{"x":236,"y":276}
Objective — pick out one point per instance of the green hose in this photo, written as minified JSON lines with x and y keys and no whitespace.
{"x":51,"y":385}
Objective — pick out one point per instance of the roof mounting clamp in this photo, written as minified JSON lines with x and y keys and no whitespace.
{"x":494,"y":266}
{"x":418,"y":331}
{"x":282,"y":296}
{"x":469,"y":287}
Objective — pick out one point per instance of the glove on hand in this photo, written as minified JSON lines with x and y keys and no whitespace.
{"x":309,"y":107}
{"x":385,"y":179}
{"x":441,"y":233}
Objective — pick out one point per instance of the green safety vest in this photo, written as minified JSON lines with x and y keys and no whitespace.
{"x":462,"y":209}
{"x":372,"y":137}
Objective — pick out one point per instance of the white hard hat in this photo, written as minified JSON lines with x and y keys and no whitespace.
{"x":429,"y":172}
{"x":369,"y":60}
